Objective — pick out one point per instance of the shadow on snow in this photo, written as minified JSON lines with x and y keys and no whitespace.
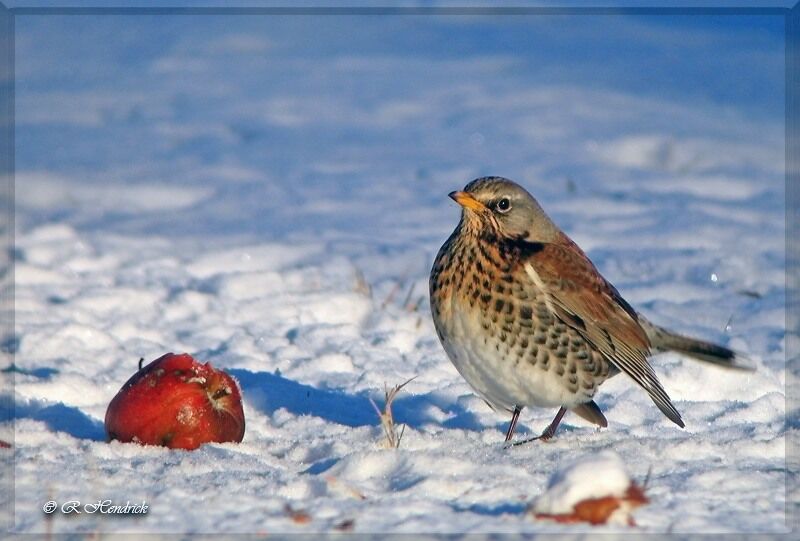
{"x":62,"y":418}
{"x":269,"y":392}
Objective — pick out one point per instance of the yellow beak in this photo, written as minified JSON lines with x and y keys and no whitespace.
{"x":467,"y":201}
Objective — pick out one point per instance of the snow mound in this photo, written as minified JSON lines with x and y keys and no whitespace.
{"x":594,"y":489}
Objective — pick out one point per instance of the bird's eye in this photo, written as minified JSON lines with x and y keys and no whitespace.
{"x":504,"y":205}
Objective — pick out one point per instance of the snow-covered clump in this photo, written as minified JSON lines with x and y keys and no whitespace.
{"x":594,"y":489}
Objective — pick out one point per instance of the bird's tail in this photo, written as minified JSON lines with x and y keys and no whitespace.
{"x":662,"y":339}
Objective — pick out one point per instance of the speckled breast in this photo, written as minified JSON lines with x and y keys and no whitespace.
{"x":497,"y":330}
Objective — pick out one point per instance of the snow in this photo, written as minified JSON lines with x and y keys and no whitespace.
{"x":268,"y":194}
{"x":590,"y":477}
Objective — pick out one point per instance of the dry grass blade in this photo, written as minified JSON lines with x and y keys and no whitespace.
{"x":407,"y":300}
{"x":340,"y":486}
{"x":398,"y":286}
{"x":647,"y":477}
{"x":362,"y":287}
{"x":392,"y":437}
{"x":414,"y":306}
{"x":392,"y":292}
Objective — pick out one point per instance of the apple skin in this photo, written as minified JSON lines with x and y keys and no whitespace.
{"x":179,"y":403}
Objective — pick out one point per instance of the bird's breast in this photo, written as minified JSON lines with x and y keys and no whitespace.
{"x":497,"y":327}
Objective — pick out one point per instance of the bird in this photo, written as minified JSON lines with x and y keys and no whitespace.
{"x":529,"y":321}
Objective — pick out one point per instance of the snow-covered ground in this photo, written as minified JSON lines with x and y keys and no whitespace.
{"x":268,"y":194}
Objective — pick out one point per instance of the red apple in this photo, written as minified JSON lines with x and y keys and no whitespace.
{"x":179,"y":403}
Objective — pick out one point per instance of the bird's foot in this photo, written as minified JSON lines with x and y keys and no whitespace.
{"x":547,"y":435}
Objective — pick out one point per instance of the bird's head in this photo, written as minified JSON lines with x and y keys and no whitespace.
{"x":502,"y":208}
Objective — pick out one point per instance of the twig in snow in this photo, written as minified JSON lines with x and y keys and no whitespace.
{"x":398,"y":285}
{"x":416,"y":304}
{"x":647,"y":477}
{"x":393,"y":439}
{"x":728,"y":324}
{"x":392,"y":293}
{"x":362,"y":286}
{"x":407,"y":300}
{"x":337,"y":484}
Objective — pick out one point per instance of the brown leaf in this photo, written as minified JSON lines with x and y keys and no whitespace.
{"x":598,"y":510}
{"x":298,"y":516}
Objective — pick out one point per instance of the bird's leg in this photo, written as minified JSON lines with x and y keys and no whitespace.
{"x":548,"y":432}
{"x":513,"y":424}
{"x":551,"y":429}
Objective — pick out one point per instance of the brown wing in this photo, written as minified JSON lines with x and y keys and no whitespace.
{"x":583,"y":299}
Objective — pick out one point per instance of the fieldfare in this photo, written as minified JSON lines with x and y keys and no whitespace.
{"x":528,"y":320}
